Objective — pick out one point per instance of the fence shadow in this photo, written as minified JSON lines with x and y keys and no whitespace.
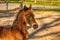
{"x":4,"y":15}
{"x":54,"y":33}
{"x":48,"y":25}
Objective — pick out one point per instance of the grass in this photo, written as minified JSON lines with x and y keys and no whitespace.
{"x":32,"y":2}
{"x":2,"y":11}
{"x":46,"y":3}
{"x":10,"y":0}
{"x":48,"y":10}
{"x":13,"y":1}
{"x":43,"y":3}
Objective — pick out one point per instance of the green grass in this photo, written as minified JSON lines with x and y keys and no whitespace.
{"x":52,"y":3}
{"x":2,"y":11}
{"x":43,"y":3}
{"x":14,"y":1}
{"x":31,"y":2}
{"x":48,"y":10}
{"x":10,"y":0}
{"x":47,"y":3}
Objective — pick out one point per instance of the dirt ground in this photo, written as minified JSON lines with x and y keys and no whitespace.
{"x":49,"y":26}
{"x":48,"y":21}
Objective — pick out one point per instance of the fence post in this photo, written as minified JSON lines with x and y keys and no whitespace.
{"x":21,"y":4}
{"x":7,"y":6}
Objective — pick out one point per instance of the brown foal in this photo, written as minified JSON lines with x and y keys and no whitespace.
{"x":18,"y":30}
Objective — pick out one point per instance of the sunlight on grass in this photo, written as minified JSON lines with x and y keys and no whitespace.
{"x":47,"y":3}
{"x":42,"y":3}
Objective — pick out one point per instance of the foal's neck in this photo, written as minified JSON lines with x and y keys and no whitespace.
{"x":19,"y":21}
{"x":18,"y":24}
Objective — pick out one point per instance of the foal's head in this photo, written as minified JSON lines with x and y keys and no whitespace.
{"x":27,"y":17}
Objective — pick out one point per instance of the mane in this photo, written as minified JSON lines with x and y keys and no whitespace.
{"x":20,"y":13}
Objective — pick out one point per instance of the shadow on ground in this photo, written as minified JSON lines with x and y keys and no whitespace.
{"x":54,"y":33}
{"x":46,"y":25}
{"x":4,"y":15}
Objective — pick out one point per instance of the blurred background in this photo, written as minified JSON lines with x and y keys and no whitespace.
{"x":47,"y":15}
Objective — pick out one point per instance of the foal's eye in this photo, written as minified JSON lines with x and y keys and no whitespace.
{"x":28,"y":16}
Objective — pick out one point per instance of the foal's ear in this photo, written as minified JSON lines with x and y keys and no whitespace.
{"x":30,"y":7}
{"x":25,"y":7}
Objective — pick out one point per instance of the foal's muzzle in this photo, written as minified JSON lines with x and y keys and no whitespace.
{"x":35,"y":26}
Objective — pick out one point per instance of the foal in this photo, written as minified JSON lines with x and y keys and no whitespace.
{"x":18,"y":30}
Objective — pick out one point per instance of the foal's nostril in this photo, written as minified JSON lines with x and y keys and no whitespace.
{"x":35,"y":26}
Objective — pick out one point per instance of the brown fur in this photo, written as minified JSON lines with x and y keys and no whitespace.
{"x":18,"y":30}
